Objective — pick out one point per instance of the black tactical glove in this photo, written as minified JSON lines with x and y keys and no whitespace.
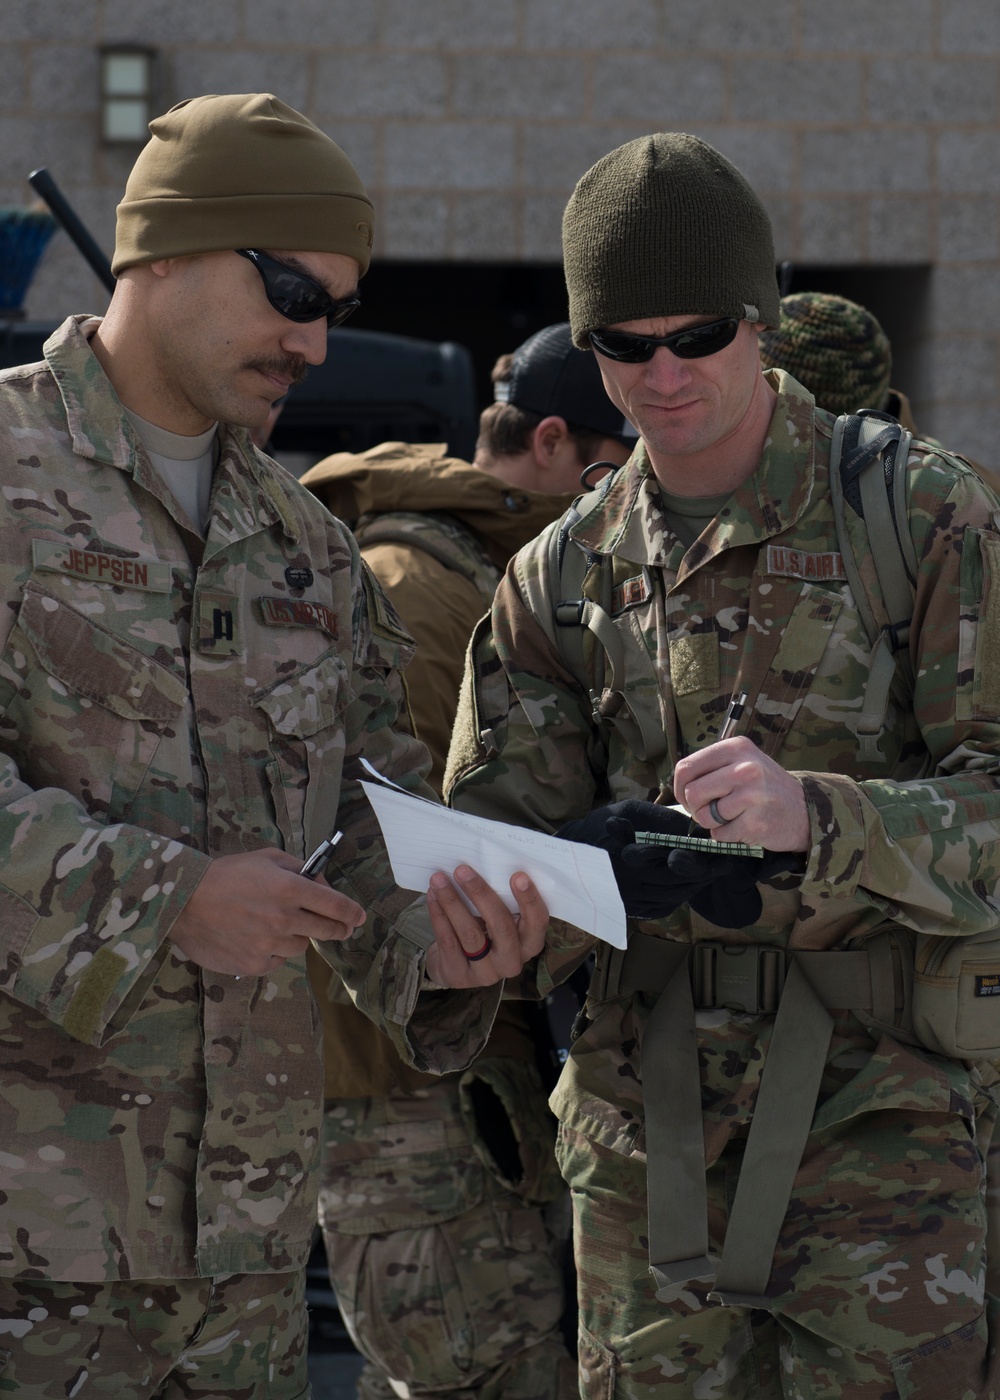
{"x":656,"y":880}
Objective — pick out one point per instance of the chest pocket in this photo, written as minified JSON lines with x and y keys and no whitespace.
{"x":85,"y":710}
{"x":788,"y":655}
{"x":307,"y":742}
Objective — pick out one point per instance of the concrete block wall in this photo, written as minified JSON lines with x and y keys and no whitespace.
{"x":871,"y":130}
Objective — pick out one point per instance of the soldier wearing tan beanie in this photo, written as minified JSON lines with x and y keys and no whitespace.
{"x":197,"y":659}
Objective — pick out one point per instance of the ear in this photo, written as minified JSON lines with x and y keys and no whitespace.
{"x":549,"y":440}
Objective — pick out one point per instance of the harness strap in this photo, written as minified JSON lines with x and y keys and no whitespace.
{"x":799,"y":987}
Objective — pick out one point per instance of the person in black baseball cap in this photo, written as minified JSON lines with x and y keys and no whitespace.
{"x":437,"y":533}
{"x":551,"y":416}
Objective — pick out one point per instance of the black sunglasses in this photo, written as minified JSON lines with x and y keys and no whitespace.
{"x":692,"y":343}
{"x":295,"y":295}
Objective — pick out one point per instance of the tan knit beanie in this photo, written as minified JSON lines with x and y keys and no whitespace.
{"x":666,"y":226}
{"x":241,"y":171}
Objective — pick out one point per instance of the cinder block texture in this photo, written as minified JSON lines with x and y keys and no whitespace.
{"x":965,"y":299}
{"x":859,"y":161}
{"x":720,"y":26}
{"x":343,"y":24}
{"x":452,"y":24}
{"x":224,"y":68}
{"x":666,"y":93}
{"x":968,"y":228}
{"x":887,"y":27}
{"x":449,"y":155}
{"x":969,"y":27}
{"x":972,"y":430}
{"x":798,"y":90}
{"x":899,"y":230}
{"x":411,"y":226}
{"x":541,"y":228}
{"x":554,"y":157}
{"x":969,"y":161}
{"x":932,"y":90}
{"x":179,"y":22}
{"x":60,"y":77}
{"x":593,"y":25}
{"x":831,"y":230}
{"x":57,"y":19}
{"x":484,"y":228}
{"x":502,"y":85}
{"x":381,"y":85}
{"x":765,"y":154}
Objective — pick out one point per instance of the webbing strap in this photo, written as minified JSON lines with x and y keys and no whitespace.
{"x":859,"y":979}
{"x":675,"y":1142}
{"x":783,"y":1114}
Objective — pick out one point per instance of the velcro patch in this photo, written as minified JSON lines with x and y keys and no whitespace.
{"x":292,"y":612}
{"x":149,"y":575}
{"x":988,"y":985}
{"x":630,"y":593}
{"x":217,"y":623}
{"x":796,"y":563}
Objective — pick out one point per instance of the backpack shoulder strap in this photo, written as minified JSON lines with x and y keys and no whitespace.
{"x":868,"y":457}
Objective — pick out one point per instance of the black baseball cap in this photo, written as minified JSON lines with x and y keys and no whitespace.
{"x":549,"y":374}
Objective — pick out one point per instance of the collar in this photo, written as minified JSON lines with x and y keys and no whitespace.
{"x":99,"y":430}
{"x":627,"y":519}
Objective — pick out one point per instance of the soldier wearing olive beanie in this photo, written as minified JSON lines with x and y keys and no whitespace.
{"x":666,"y":226}
{"x":240,"y":171}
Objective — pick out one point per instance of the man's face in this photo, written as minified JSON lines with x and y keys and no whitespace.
{"x":682,"y":408}
{"x":223,"y":353}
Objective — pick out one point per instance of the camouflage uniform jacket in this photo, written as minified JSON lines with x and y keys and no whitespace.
{"x":758,"y":603}
{"x":165,"y":699}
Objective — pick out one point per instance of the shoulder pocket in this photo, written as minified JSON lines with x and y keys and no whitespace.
{"x":83,"y":709}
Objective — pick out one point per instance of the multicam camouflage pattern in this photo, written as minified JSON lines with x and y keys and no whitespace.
{"x":449,"y":1281}
{"x":435,"y":532}
{"x":181,"y":1339}
{"x":155,"y":1121}
{"x":758,"y":603}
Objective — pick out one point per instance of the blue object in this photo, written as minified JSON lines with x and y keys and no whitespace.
{"x":24,"y":234}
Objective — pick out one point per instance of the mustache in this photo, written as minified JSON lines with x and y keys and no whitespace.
{"x":294,"y":368}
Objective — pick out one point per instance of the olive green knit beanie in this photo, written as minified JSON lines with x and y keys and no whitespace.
{"x":834,"y":347}
{"x":666,"y":226}
{"x":241,"y":171}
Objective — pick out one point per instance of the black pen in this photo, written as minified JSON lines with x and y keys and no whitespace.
{"x":314,"y":864}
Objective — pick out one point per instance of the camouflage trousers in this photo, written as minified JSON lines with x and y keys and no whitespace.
{"x":877,"y":1288}
{"x":444,"y":1246}
{"x":237,"y":1336}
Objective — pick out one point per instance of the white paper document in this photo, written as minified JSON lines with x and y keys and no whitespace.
{"x":576,"y":881}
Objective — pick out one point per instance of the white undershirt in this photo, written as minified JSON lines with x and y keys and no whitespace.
{"x":185,"y":464}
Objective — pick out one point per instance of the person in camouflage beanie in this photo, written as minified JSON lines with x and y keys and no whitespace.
{"x":833,"y":346}
{"x":776,"y":1164}
{"x":192,"y":661}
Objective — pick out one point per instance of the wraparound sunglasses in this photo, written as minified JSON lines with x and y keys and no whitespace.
{"x":692,"y":343}
{"x":295,"y":295}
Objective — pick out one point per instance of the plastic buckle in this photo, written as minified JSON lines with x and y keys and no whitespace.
{"x":569,"y":613}
{"x":745,"y":977}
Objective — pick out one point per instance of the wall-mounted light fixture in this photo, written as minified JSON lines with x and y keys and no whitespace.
{"x":126,"y":90}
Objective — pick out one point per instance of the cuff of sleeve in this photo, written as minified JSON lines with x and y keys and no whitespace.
{"x":836,"y":834}
{"x":435,"y":1030}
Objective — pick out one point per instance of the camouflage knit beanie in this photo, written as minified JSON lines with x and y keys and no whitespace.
{"x":240,"y":171}
{"x":832,"y":346}
{"x":666,"y":226}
